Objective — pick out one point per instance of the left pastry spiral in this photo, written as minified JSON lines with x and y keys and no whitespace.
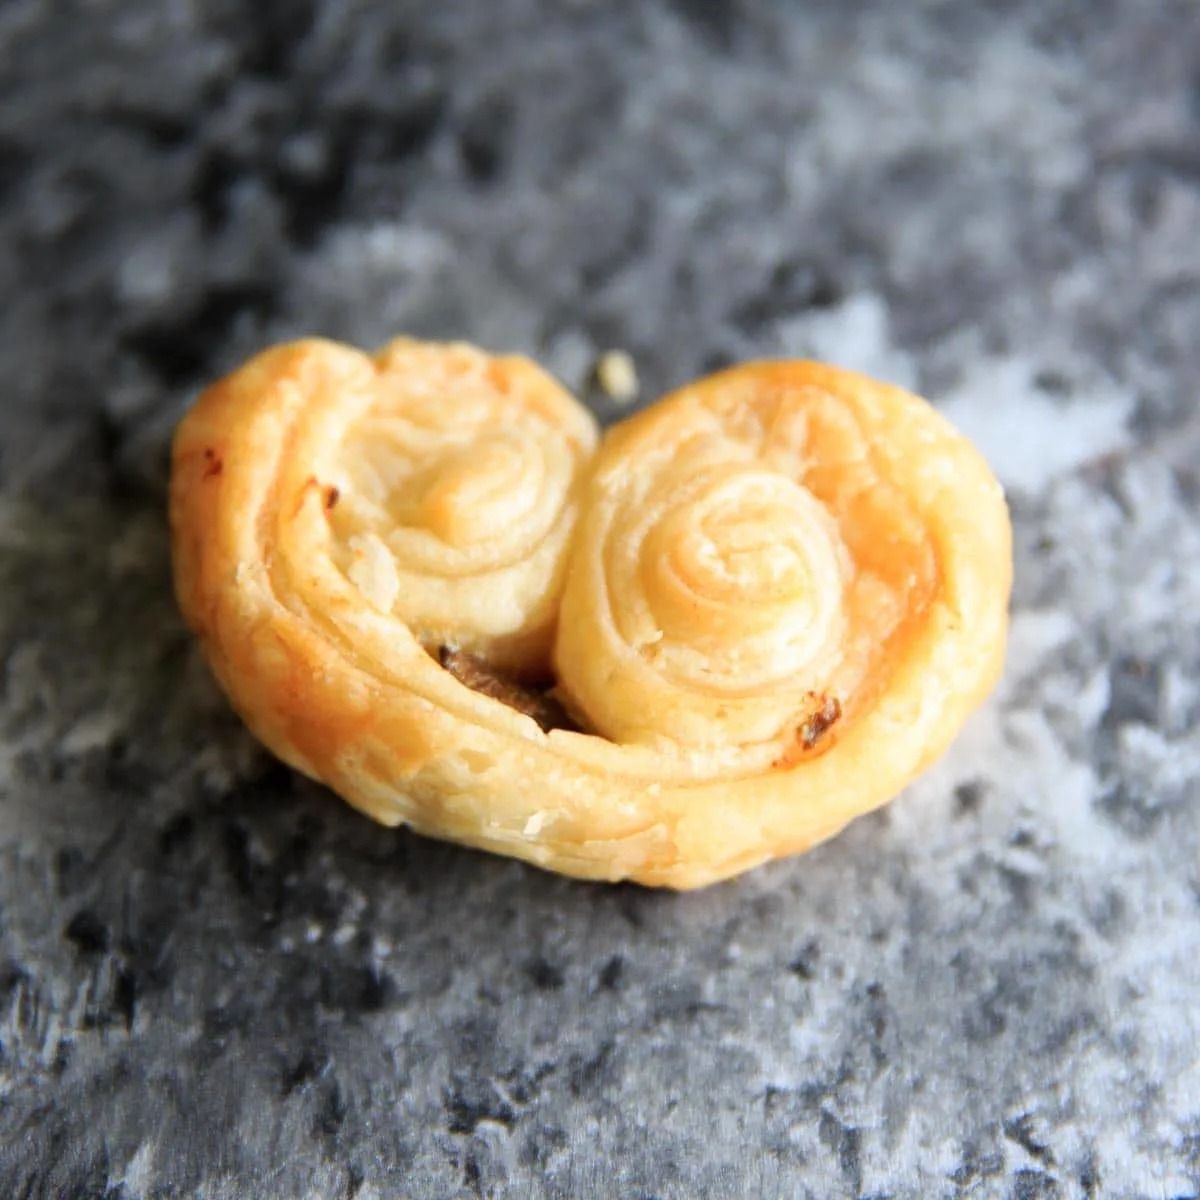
{"x":435,"y":485}
{"x":341,"y":522}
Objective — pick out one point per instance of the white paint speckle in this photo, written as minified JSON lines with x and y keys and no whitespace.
{"x":1029,"y":438}
{"x":854,"y":335}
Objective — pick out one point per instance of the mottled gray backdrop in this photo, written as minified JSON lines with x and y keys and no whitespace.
{"x":217,"y":981}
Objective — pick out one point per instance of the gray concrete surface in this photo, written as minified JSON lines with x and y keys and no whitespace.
{"x":217,"y":981}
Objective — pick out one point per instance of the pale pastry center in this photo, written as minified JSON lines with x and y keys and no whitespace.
{"x":472,"y":493}
{"x":469,"y":496}
{"x":743,"y":579}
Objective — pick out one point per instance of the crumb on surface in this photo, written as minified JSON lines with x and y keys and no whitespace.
{"x":616,"y":373}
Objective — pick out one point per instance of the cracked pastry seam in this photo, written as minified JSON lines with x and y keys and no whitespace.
{"x":771,"y":598}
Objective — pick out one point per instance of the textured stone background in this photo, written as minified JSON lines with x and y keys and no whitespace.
{"x":216,"y":981}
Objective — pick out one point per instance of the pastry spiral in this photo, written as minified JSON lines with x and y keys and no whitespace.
{"x":442,"y":483}
{"x":773,"y":597}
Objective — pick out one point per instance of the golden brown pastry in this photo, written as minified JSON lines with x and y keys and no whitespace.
{"x":786,"y":587}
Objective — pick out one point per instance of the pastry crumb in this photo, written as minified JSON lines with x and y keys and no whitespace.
{"x":373,"y":571}
{"x":617,"y":374}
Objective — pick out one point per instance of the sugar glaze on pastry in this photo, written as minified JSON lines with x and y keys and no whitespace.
{"x":768,"y":601}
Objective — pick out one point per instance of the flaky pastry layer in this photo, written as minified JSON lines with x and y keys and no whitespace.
{"x":772,"y":598}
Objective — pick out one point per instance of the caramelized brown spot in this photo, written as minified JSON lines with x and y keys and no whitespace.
{"x":332,"y":496}
{"x":215,"y":465}
{"x":480,"y":677}
{"x":817,"y":724}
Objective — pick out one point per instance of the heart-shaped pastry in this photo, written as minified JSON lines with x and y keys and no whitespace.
{"x":756,"y":612}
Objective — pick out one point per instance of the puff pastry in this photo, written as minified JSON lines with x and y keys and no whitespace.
{"x":767,"y":601}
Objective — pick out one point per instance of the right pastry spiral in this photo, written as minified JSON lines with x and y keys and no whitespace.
{"x":790,"y":578}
